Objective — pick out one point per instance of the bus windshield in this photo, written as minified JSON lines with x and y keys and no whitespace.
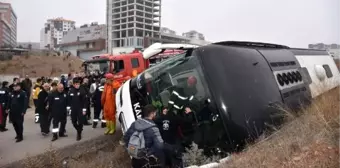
{"x":179,"y":85}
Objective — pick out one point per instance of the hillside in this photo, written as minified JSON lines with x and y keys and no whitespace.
{"x":40,"y":64}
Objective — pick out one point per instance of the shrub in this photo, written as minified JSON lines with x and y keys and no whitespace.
{"x":195,"y":156}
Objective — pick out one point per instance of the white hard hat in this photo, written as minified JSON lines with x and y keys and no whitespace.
{"x":56,"y":79}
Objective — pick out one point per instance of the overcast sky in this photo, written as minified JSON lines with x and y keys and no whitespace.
{"x":290,"y":22}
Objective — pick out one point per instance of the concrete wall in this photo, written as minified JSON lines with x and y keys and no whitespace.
{"x":8,"y":78}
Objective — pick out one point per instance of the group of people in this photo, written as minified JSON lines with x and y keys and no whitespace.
{"x":159,"y":139}
{"x":56,"y":99}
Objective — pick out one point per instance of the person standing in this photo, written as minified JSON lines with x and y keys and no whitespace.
{"x":4,"y":98}
{"x":42,"y":108}
{"x":169,"y":126}
{"x":97,"y":102}
{"x":15,"y":81}
{"x":77,"y":105}
{"x":36,"y":90}
{"x":144,"y":142}
{"x":53,"y":87}
{"x":109,"y":104}
{"x":86,"y":89}
{"x":17,"y":108}
{"x":27,"y":86}
{"x":58,"y":104}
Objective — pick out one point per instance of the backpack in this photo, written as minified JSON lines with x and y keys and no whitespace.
{"x":136,"y":147}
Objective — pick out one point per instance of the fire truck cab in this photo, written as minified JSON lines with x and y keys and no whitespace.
{"x":124,"y":66}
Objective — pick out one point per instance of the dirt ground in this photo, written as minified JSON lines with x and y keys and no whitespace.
{"x":37,"y":66}
{"x":102,"y":152}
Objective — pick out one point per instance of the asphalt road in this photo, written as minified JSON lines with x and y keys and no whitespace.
{"x":34,"y":143}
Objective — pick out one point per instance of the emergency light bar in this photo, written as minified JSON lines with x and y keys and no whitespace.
{"x":158,"y":48}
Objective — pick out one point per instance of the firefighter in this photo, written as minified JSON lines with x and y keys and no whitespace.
{"x":182,"y":103}
{"x":77,"y":105}
{"x":58,"y":105}
{"x":108,"y":102}
{"x":4,"y":98}
{"x":36,"y":90}
{"x":17,"y":108}
{"x":43,"y":109}
{"x":97,"y":103}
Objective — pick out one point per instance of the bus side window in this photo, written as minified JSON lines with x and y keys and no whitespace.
{"x":134,"y":62}
{"x":328,"y":70}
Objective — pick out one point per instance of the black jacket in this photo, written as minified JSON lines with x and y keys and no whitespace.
{"x":27,"y":85}
{"x":42,"y":101}
{"x":98,"y":94}
{"x":85,"y":88}
{"x":57,"y":104}
{"x":17,"y":103}
{"x":4,"y":97}
{"x":182,"y":97}
{"x":77,"y":100}
{"x":169,"y":126}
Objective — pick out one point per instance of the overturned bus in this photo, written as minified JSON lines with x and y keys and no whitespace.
{"x":233,"y":88}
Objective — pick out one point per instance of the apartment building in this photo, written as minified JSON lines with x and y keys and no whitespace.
{"x":86,"y":41}
{"x":194,"y":35}
{"x":170,"y":36}
{"x":322,"y":46}
{"x":53,"y":32}
{"x":8,"y":26}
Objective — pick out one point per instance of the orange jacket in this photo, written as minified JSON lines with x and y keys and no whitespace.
{"x":108,"y":100}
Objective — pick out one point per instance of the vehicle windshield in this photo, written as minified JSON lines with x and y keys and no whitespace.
{"x":163,"y":57}
{"x":97,"y":67}
{"x":177,"y":84}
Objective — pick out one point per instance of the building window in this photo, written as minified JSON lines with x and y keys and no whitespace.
{"x":329,"y":73}
{"x":134,"y":62}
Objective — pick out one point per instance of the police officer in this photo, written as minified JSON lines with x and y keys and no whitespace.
{"x":43,"y":109}
{"x":58,"y":105}
{"x":169,"y":125}
{"x":77,"y":105}
{"x":17,"y":108}
{"x":97,"y":103}
{"x":4,"y":98}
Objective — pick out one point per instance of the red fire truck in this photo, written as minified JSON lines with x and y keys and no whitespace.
{"x":126,"y":66}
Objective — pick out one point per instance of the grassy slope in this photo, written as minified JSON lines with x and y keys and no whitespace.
{"x":311,"y":140}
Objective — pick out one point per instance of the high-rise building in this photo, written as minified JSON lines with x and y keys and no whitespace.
{"x":129,"y":21}
{"x":53,"y":32}
{"x":8,"y":26}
